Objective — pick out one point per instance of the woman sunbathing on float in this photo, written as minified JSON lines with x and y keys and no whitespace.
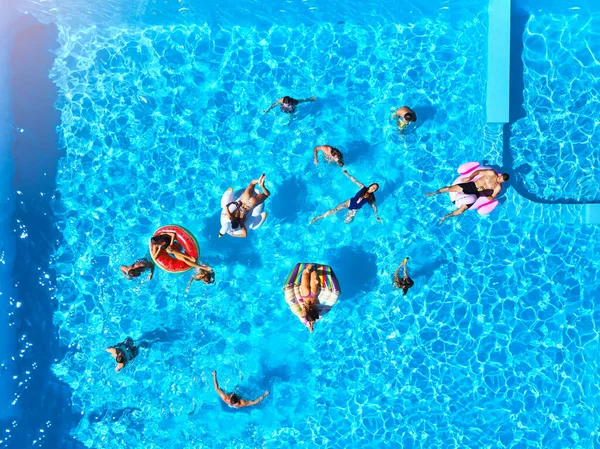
{"x":166,"y":242}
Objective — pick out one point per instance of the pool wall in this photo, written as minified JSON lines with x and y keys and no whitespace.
{"x":7,"y":243}
{"x":36,"y":406}
{"x":504,"y":106}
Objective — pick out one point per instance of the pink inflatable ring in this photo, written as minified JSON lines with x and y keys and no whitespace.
{"x":483,"y":205}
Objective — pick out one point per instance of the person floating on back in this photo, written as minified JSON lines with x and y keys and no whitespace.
{"x":165,"y":242}
{"x":232,"y":399}
{"x":405,"y":282}
{"x":331,"y":154}
{"x":288,"y":104}
{"x":488,"y":184}
{"x":137,"y":268}
{"x":366,"y":195}
{"x":123,"y":352}
{"x":404,"y":116}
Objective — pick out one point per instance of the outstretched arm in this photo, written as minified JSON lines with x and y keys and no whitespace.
{"x":273,"y":105}
{"x":244,"y":403}
{"x":353,"y":179}
{"x":374,"y":206}
{"x":313,"y":98}
{"x":315,"y":153}
{"x":222,"y":394}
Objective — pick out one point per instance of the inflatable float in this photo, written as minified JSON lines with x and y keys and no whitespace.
{"x":328,"y":294}
{"x":254,"y":220}
{"x":483,"y":205}
{"x":187,"y":244}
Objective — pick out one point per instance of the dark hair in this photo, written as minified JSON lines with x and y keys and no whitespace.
{"x":208,"y":277}
{"x":410,"y":117}
{"x":155,"y":239}
{"x":340,"y":157}
{"x":404,"y":289}
{"x":289,"y":100}
{"x":120,"y":357}
{"x":505,"y":176}
{"x":134,"y":273}
{"x":312,"y":313}
{"x":234,"y":398}
{"x":235,"y":222}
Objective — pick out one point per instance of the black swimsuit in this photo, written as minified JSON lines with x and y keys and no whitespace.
{"x":164,"y":241}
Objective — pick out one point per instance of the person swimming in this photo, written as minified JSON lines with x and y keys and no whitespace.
{"x":232,"y":399}
{"x":405,"y":282}
{"x":205,"y":275}
{"x":137,"y":268}
{"x":404,"y":116}
{"x":366,"y":195}
{"x":123,"y":352}
{"x":331,"y":154}
{"x":288,"y":104}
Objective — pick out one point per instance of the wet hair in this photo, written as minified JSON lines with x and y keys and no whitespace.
{"x":208,"y":277}
{"x":234,"y":399}
{"x":505,"y":176}
{"x":120,"y":358}
{"x":338,"y":154}
{"x":289,"y":100}
{"x":235,"y":222}
{"x":155,"y":240}
{"x":410,"y":117}
{"x":135,"y":272}
{"x":312,"y":313}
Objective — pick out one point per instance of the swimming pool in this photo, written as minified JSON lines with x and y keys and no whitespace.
{"x":495,"y":345}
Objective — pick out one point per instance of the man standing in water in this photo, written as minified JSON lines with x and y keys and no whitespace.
{"x":232,"y":399}
{"x":488,"y":184}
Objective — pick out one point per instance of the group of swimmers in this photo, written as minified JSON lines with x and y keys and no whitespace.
{"x":484,"y":182}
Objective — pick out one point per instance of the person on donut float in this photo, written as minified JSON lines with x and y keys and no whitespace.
{"x":488,"y":184}
{"x":164,"y":242}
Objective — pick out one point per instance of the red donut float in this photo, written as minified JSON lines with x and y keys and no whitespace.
{"x":186,"y":240}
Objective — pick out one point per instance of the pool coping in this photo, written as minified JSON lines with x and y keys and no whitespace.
{"x":498,"y":115}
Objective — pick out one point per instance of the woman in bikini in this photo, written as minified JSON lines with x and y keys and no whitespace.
{"x":307,"y":309}
{"x":164,"y":242}
{"x":137,"y":268}
{"x":366,"y":195}
{"x":250,"y":199}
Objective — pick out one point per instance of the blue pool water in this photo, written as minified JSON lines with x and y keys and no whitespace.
{"x":495,"y":346}
{"x":556,"y":143}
